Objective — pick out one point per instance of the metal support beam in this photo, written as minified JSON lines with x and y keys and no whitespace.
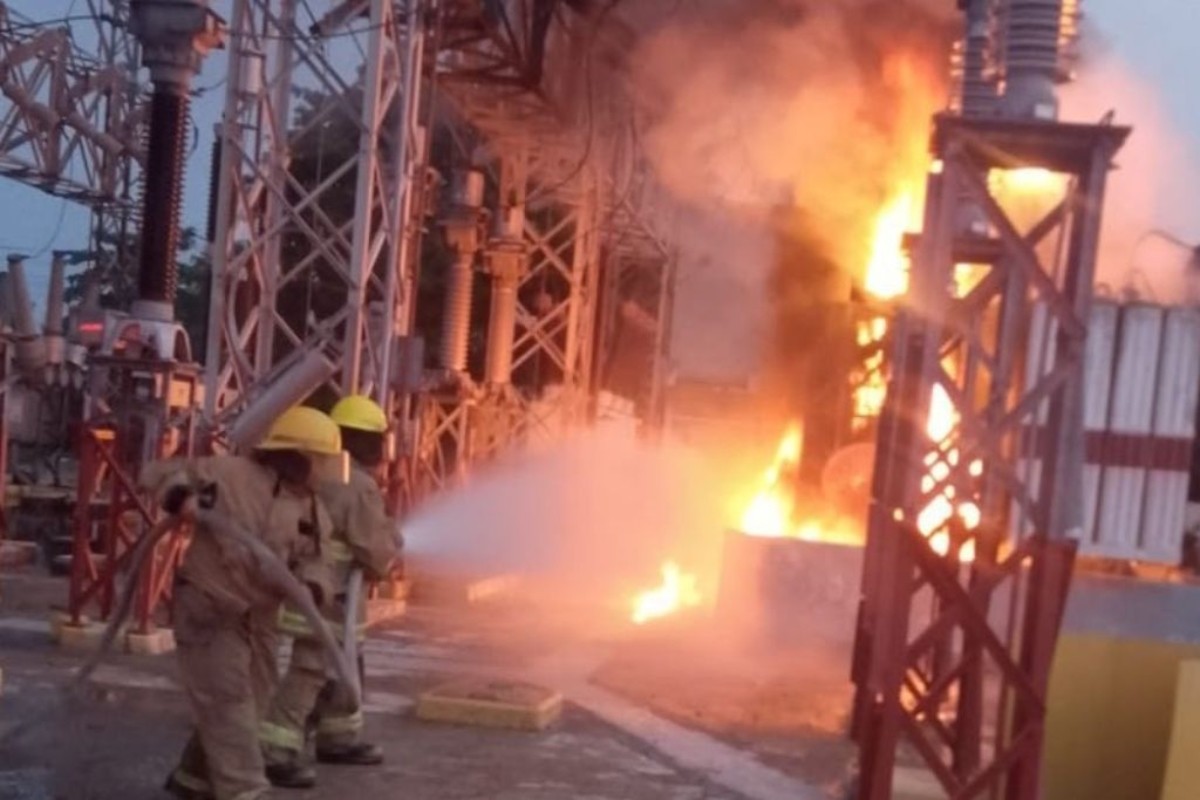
{"x":294,"y":269}
{"x":70,"y":122}
{"x":975,"y":347}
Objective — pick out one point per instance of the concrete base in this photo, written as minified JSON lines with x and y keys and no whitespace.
{"x":60,"y":618}
{"x":155,"y":643}
{"x":80,"y":637}
{"x":491,"y":704}
{"x":383,"y":610}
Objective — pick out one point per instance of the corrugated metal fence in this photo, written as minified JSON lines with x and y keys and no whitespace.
{"x":1142,"y":385}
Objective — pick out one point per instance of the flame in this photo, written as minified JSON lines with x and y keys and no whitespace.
{"x":887,"y":269}
{"x":677,"y":591}
{"x":770,"y":512}
{"x":887,"y":278}
{"x":1025,"y":180}
{"x":932,"y":519}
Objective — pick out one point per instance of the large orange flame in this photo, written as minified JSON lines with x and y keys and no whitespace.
{"x":771,"y":511}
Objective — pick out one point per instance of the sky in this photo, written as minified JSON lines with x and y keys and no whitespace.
{"x":1153,"y":38}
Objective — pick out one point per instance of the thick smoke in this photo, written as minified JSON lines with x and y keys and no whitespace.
{"x":1155,"y":187}
{"x":720,"y":292}
{"x":807,"y":105}
{"x":796,"y":119}
{"x":586,"y":522}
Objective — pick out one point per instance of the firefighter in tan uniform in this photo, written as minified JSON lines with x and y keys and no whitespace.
{"x":365,"y":538}
{"x":224,"y":616}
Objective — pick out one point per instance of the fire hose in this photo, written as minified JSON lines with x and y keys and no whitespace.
{"x":269,"y":566}
{"x":354,"y":593}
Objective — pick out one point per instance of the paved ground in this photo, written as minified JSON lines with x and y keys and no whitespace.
{"x":120,"y":743}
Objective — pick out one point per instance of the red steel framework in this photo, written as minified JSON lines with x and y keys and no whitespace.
{"x":952,"y":659}
{"x":110,"y":513}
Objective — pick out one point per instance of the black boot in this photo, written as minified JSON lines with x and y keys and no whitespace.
{"x":359,"y":755}
{"x":181,"y":790}
{"x":290,"y":775}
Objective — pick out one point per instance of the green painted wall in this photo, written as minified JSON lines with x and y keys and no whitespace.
{"x":1109,"y":718}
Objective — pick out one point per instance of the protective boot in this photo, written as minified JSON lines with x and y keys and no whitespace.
{"x":179,"y":788}
{"x":291,"y":775}
{"x":359,"y":754}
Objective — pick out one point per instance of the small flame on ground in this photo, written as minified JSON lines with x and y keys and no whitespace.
{"x":677,"y":591}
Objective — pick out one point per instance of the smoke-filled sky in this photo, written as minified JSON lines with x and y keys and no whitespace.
{"x":1143,"y":72}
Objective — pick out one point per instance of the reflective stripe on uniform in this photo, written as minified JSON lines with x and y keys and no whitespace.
{"x":279,"y":736}
{"x":189,"y":781}
{"x":293,"y":623}
{"x":339,"y":551}
{"x":335,"y":724}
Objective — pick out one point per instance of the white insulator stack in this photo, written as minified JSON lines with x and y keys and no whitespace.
{"x":1032,"y":58}
{"x":977,"y":88}
{"x":30,"y":349}
{"x":462,"y":233}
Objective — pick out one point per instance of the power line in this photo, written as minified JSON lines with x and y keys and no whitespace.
{"x":62,"y":215}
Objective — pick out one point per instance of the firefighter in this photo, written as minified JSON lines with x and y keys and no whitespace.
{"x":224,"y":614}
{"x":365,"y":538}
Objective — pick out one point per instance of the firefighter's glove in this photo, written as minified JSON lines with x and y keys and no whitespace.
{"x":175,"y":498}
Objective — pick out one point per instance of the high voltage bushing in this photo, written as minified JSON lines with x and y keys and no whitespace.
{"x":1032,"y":56}
{"x":175,"y":36}
{"x":506,"y":260}
{"x":30,"y":348}
{"x":162,"y":186}
{"x":978,"y":85}
{"x":461,"y":227}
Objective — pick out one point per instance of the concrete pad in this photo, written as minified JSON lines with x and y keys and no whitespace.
{"x":57,"y":619}
{"x":80,"y":637}
{"x":1182,"y":781}
{"x":385,"y":609}
{"x":154,"y":643}
{"x":491,"y":704}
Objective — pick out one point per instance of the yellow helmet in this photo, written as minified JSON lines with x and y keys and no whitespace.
{"x":304,"y":429}
{"x":359,"y":413}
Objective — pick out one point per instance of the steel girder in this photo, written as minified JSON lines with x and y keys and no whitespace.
{"x":583,"y":236}
{"x":277,"y":234}
{"x":274,"y":236}
{"x":71,"y":125}
{"x":934,"y":641}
